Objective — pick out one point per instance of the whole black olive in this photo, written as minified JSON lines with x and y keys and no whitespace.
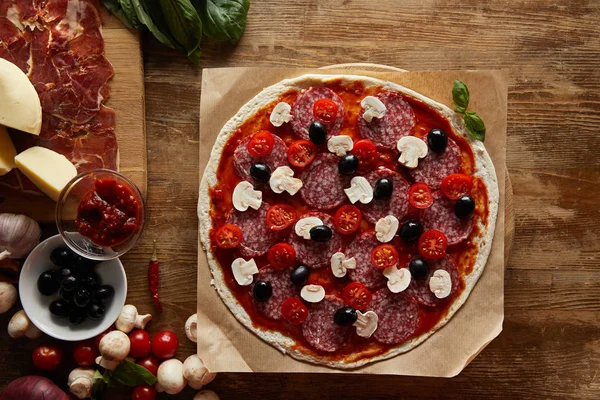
{"x":345,"y":316}
{"x":65,"y":295}
{"x":62,"y":274}
{"x":82,"y":298}
{"x":317,"y":133}
{"x":437,"y":140}
{"x":383,"y":189}
{"x":69,"y":283}
{"x":262,"y":291}
{"x":61,"y":257}
{"x":47,"y":284}
{"x":103,"y":294}
{"x":89,"y":282}
{"x":348,"y":164}
{"x":299,"y":275}
{"x":95,"y":311}
{"x":410,"y":230}
{"x":59,"y":308}
{"x":260,"y":172}
{"x":82,"y":265}
{"x":464,"y":207}
{"x":418,"y":268}
{"x":321,"y":233}
{"x":76,"y":315}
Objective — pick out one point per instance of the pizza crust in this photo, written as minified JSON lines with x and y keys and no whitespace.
{"x":484,"y":169}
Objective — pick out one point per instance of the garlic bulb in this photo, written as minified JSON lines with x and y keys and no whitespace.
{"x":19,"y":234}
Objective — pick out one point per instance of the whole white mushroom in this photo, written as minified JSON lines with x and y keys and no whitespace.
{"x":206,"y":395}
{"x":8,"y":296}
{"x":170,"y":377}
{"x":196,"y":372}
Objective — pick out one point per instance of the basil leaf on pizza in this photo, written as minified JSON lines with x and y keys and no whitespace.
{"x":368,"y":246}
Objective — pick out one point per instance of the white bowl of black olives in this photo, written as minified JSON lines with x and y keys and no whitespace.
{"x":70,"y":297}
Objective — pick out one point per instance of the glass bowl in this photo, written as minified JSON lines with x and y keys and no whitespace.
{"x":67,"y":214}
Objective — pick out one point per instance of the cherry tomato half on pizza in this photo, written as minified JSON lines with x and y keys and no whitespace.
{"x":281,"y":255}
{"x":366,"y":152}
{"x":281,"y":216}
{"x":432,"y":244}
{"x":347,"y":219}
{"x":419,"y":195}
{"x":261,"y":144}
{"x":228,"y":236}
{"x":357,"y":296}
{"x":301,"y":153}
{"x":384,"y":256}
{"x":456,"y":185}
{"x":325,"y":111}
{"x":294,"y":311}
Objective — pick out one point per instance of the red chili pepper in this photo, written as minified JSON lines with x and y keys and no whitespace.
{"x":154,"y":278}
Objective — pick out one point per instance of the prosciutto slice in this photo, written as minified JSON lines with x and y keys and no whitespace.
{"x":59,"y":45}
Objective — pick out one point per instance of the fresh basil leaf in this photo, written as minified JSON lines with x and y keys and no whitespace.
{"x":131,"y":374}
{"x":223,"y":19}
{"x":115,"y":9}
{"x":99,"y":376}
{"x":160,"y":34}
{"x":129,"y":11}
{"x":98,"y":388}
{"x":475,"y":125}
{"x":184,"y":24}
{"x":460,"y":96}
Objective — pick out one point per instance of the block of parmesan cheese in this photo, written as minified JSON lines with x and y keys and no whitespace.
{"x":7,"y":152}
{"x":49,"y":170}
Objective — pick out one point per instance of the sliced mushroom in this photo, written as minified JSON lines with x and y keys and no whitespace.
{"x":386,"y":228}
{"x":312,"y":293}
{"x":366,"y":323}
{"x":340,"y":145}
{"x":245,"y":196}
{"x":243,"y":271}
{"x":360,"y":190}
{"x":304,"y":225}
{"x":281,"y":114}
{"x":340,"y":264}
{"x":282,"y":180}
{"x":373,"y":108}
{"x":440,"y":284}
{"x":411,"y":149}
{"x":398,"y":279}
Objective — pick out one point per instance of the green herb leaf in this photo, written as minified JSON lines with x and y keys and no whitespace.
{"x":115,"y":8}
{"x":131,"y":374}
{"x":475,"y":125}
{"x":460,"y":96}
{"x":130,"y":13}
{"x":98,"y":375}
{"x":223,"y":19}
{"x":184,"y":24}
{"x":141,"y":10}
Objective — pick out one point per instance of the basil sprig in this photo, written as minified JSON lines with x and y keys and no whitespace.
{"x":473,"y":122}
{"x":127,"y":373}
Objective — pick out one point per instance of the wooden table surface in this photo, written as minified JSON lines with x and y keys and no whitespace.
{"x":550,"y":346}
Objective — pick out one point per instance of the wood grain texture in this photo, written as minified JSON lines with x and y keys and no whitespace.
{"x":550,"y":346}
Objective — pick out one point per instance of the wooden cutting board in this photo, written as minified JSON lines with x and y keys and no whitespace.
{"x":127,"y":99}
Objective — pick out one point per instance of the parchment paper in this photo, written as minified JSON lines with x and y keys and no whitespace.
{"x":226,"y":345}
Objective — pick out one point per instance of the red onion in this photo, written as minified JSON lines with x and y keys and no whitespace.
{"x":33,"y":388}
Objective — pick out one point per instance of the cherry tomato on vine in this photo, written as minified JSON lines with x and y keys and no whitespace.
{"x":151,"y":363}
{"x":85,"y":353}
{"x":47,"y":357}
{"x":164,"y":344}
{"x":140,"y":343}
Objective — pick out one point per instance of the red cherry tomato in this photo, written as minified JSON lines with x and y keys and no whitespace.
{"x":347,"y":219}
{"x":433,"y":244}
{"x":281,"y":216}
{"x":419,"y":195}
{"x":85,"y":353}
{"x":164,"y":344}
{"x":301,"y":153}
{"x":357,"y":296}
{"x":140,"y":343}
{"x":281,"y":255}
{"x":99,"y":337}
{"x":47,"y":357}
{"x":384,"y":256}
{"x":366,"y":152}
{"x":325,"y":111}
{"x":456,"y":185}
{"x":294,"y":311}
{"x":261,"y":144}
{"x":144,"y":392}
{"x":228,"y":236}
{"x":151,"y":363}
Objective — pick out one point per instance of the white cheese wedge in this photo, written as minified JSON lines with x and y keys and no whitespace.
{"x":411,"y":149}
{"x":245,"y":196}
{"x":386,"y":228}
{"x":282,"y":180}
{"x":340,"y":264}
{"x":313,"y":293}
{"x":7,"y":152}
{"x":20,"y":106}
{"x":49,"y":170}
{"x":243,"y":271}
{"x":360,"y":190}
{"x":398,"y":279}
{"x":440,"y":284}
{"x":373,"y":108}
{"x":281,"y":114}
{"x":304,"y":225}
{"x":340,"y":145}
{"x":366,"y":323}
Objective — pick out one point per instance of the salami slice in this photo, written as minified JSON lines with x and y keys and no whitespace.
{"x":396,"y":205}
{"x":419,"y":289}
{"x":435,"y":167}
{"x":440,"y":216}
{"x":282,"y":286}
{"x":257,"y":237}
{"x":398,"y":121}
{"x":398,"y":316}
{"x":322,"y":184}
{"x":365,"y":272}
{"x":319,"y":329}
{"x":315,"y":254}
{"x":242,"y":160}
{"x":302,"y":111}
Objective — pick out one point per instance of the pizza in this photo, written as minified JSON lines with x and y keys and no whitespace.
{"x":345,"y":218}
